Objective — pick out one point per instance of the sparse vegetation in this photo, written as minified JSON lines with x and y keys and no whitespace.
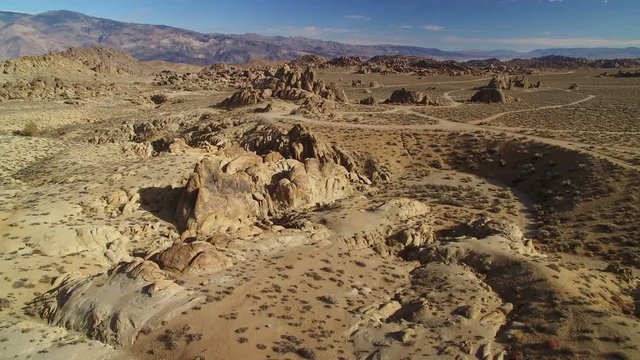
{"x":30,"y":129}
{"x":159,"y":99}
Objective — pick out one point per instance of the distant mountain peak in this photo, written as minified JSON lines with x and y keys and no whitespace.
{"x":58,"y":30}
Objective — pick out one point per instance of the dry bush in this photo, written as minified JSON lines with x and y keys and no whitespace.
{"x":30,"y":129}
{"x":159,"y":98}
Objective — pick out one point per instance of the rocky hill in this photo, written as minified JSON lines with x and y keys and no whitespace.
{"x":24,"y":34}
{"x":81,"y":60}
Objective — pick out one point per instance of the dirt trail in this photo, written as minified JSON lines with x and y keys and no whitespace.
{"x":493,"y":117}
{"x":448,"y":125}
{"x":436,"y":83}
{"x":464,"y":81}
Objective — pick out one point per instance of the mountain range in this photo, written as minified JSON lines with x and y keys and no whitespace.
{"x":26,"y":34}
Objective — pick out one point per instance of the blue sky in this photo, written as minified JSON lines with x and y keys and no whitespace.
{"x":445,"y":24}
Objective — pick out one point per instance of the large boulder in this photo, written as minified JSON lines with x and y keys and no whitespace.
{"x":241,"y":98}
{"x":369,"y":101}
{"x":404,"y":96}
{"x":192,"y":258}
{"x":489,"y":95}
{"x":114,"y":307}
{"x":219,"y":196}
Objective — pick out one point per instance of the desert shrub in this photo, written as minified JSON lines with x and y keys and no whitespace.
{"x":159,"y":98}
{"x":30,"y":129}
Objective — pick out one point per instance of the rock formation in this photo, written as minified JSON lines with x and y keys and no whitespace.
{"x":500,"y":82}
{"x":298,"y":143}
{"x":404,"y":96}
{"x":114,"y":307}
{"x":241,"y":98}
{"x":346,"y":61}
{"x":224,"y":192}
{"x":294,"y":85}
{"x":489,"y":95}
{"x":192,"y":258}
{"x":370,"y":100}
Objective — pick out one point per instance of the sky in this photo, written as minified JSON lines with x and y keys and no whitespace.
{"x":520,"y":25}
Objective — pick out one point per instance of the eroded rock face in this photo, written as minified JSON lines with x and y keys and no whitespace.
{"x":298,"y":143}
{"x":523,"y":82}
{"x":404,"y":96}
{"x":314,"y":108}
{"x":489,"y":95}
{"x":100,"y":241}
{"x":223,"y":192}
{"x":244,"y":97}
{"x":114,"y":307}
{"x":503,"y":82}
{"x":485,"y":226}
{"x":370,"y":100}
{"x":500,"y":82}
{"x":294,"y":85}
{"x":192,"y":258}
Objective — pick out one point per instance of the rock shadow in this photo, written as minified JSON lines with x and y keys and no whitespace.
{"x":161,"y":201}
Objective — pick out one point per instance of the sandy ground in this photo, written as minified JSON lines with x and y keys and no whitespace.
{"x":552,"y":274}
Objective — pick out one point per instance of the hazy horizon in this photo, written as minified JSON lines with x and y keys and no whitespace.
{"x":516,"y":25}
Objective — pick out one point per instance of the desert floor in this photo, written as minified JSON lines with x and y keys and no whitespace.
{"x":526,"y":214}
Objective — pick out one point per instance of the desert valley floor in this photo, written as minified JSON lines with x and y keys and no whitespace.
{"x":150,"y":214}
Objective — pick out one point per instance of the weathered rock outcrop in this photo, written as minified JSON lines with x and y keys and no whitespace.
{"x":241,"y":98}
{"x":43,"y":88}
{"x":404,"y":96}
{"x":192,"y":258}
{"x":230,"y":192}
{"x":104,"y":242}
{"x":523,"y":82}
{"x":346,"y":61}
{"x":314,"y":108}
{"x":370,"y":100}
{"x":294,"y":85}
{"x":298,"y":143}
{"x":114,"y":307}
{"x":489,"y":95}
{"x":500,"y":82}
{"x":503,"y":82}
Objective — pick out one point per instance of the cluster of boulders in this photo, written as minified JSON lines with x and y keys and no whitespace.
{"x":211,"y":77}
{"x":360,"y":83}
{"x":523,"y":82}
{"x":504,"y":82}
{"x":345,"y":61}
{"x":286,"y":84}
{"x":621,"y":74}
{"x":73,"y":60}
{"x":404,"y":96}
{"x":293,"y":84}
{"x":240,"y":98}
{"x":42,"y":88}
{"x":298,"y":143}
{"x":493,"y":91}
{"x":412,"y":64}
{"x":313,"y":107}
{"x":309,"y":60}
